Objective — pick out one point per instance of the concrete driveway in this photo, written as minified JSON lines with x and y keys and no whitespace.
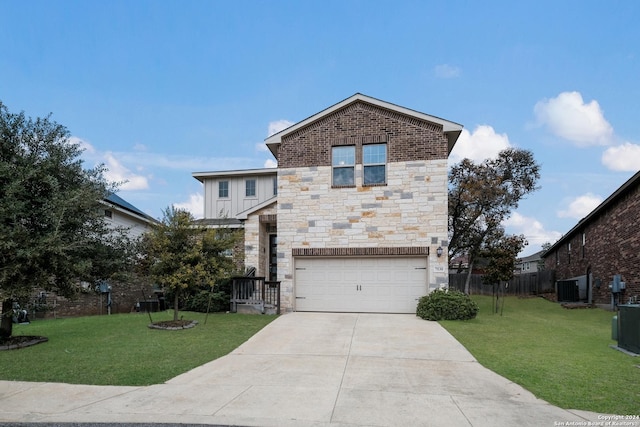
{"x":310,"y":369}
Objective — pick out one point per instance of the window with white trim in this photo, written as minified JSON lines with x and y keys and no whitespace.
{"x":250,"y":188}
{"x":343,"y":162}
{"x":223,"y":188}
{"x":374,"y":161}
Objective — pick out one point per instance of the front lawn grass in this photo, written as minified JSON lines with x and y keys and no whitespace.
{"x":121,"y":350}
{"x":560,"y":355}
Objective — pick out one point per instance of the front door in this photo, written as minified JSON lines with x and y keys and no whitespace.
{"x":273,"y":258}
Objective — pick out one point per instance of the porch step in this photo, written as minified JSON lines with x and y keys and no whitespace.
{"x":257,"y":308}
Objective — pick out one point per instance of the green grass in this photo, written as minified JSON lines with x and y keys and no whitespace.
{"x":121,"y":350}
{"x":560,"y":355}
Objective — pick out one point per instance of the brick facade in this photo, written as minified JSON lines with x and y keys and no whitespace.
{"x":409,"y":139}
{"x":124,"y":297}
{"x":611,"y":246}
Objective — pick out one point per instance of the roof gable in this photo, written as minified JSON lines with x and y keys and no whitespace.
{"x":451,"y":130}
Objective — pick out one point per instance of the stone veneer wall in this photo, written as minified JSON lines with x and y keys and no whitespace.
{"x":410,"y":211}
{"x":256,"y":241}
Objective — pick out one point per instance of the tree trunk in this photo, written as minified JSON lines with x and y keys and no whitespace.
{"x":6,"y":326}
{"x":175,"y":304}
{"x":467,"y":283}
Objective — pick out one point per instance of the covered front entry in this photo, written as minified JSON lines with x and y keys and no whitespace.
{"x":360,"y":284}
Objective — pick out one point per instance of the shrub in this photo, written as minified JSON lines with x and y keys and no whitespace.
{"x":446,"y":305}
{"x":200,"y":301}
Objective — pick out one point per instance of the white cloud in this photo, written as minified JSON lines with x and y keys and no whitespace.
{"x":262,"y":147}
{"x":446,"y":71}
{"x":277,"y":126}
{"x":195,"y":205}
{"x":115,"y":164}
{"x":581,"y":206}
{"x":483,"y":143}
{"x":270,"y":163}
{"x":117,"y":172}
{"x":532,"y":229}
{"x":625,"y":157}
{"x":84,"y":145}
{"x":569,"y":117}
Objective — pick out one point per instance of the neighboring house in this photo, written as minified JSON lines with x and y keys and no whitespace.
{"x":117,"y":297}
{"x":120,"y":213}
{"x":245,"y":199}
{"x":529,"y":264}
{"x":360,"y":209}
{"x":603,"y":244}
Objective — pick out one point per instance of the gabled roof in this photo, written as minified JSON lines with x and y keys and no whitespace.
{"x":452,"y":130}
{"x":533,"y":257}
{"x":625,"y":188}
{"x":201,"y":176}
{"x":245,"y":214}
{"x":122,"y":205}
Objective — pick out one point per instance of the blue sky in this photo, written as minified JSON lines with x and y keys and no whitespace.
{"x":157,"y":89}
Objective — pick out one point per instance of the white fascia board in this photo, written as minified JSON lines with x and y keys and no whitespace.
{"x":127,"y":212}
{"x":200,"y":176}
{"x":245,"y":214}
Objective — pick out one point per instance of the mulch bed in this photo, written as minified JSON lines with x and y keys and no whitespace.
{"x":173,"y":325}
{"x":20,"y":341}
{"x":573,"y":305}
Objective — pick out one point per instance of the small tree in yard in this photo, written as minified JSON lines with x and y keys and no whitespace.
{"x":502,"y":254}
{"x":181,"y":256}
{"x":52,"y":228}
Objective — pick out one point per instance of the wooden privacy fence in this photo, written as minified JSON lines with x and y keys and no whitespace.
{"x":521,"y":284}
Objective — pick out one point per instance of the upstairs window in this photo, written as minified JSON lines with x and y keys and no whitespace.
{"x":343,"y":162}
{"x":374,"y":161}
{"x":275,"y":186}
{"x":108,"y":213}
{"x":223,"y":188}
{"x":250,"y":188}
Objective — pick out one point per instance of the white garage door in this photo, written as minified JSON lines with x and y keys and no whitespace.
{"x":375,"y":285}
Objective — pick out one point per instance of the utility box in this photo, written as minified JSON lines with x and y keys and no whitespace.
{"x":568,"y":291}
{"x":629,"y":327}
{"x":617,"y":285}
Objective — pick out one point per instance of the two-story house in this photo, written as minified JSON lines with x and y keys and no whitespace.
{"x":529,"y":264}
{"x":354,"y":218}
{"x":601,"y":246}
{"x":245,"y":200}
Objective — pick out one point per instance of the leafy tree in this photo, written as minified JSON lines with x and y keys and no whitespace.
{"x":502,"y":254}
{"x":541,"y":262}
{"x":180,"y":255}
{"x":52,"y":228}
{"x":482,"y":196}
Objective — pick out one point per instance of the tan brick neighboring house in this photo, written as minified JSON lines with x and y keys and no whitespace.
{"x":603,"y":244}
{"x":361,"y":208}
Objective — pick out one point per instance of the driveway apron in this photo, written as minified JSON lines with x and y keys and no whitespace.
{"x":310,"y":369}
